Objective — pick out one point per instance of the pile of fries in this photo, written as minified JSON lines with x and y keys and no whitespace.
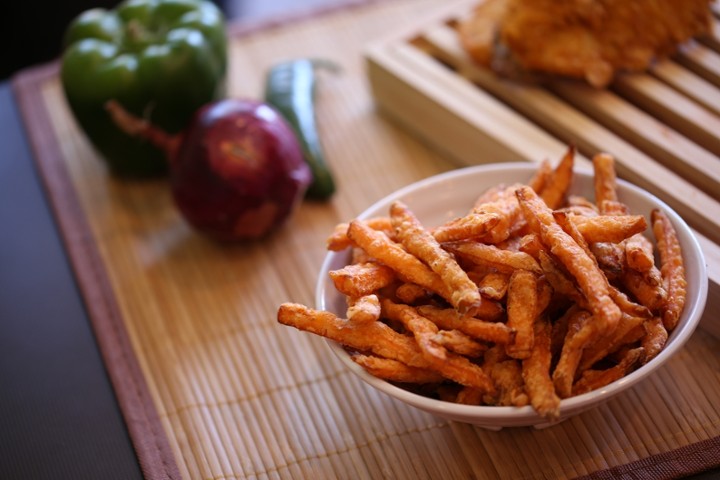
{"x":534,"y":296}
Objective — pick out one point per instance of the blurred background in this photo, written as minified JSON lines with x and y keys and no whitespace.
{"x":31,"y":32}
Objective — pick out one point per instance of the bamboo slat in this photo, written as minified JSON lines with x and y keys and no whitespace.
{"x":241,"y":396}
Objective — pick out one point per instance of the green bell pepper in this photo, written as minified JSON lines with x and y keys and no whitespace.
{"x":160,"y":59}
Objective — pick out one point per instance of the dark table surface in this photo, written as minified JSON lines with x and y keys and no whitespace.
{"x":58,"y":414}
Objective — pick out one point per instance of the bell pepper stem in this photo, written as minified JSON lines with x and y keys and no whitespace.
{"x":139,"y":127}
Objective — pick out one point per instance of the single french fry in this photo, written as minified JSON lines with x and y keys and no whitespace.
{"x":406,"y":266}
{"x":580,"y":333}
{"x":505,"y":261}
{"x":460,"y":343}
{"x":609,"y":228}
{"x":582,"y":204}
{"x":363,"y":309}
{"x":647,"y":289}
{"x":594,"y":379}
{"x":542,"y":176}
{"x":531,"y":244}
{"x":522,"y":306}
{"x":590,"y":279}
{"x":639,"y":253}
{"x":395,"y":371}
{"x":627,"y":306}
{"x":493,"y":194}
{"x":556,"y":189}
{"x":559,"y":280}
{"x":418,"y":241}
{"x":375,"y":337}
{"x":608,"y":344}
{"x":654,"y":339}
{"x":358,"y":256}
{"x":536,"y":373}
{"x":609,"y":207}
{"x":473,"y":225}
{"x":450,"y":319}
{"x":509,"y":383}
{"x":672,"y":268}
{"x":494,"y":285}
{"x":505,"y":206}
{"x":410,"y":293}
{"x":579,"y":210}
{"x":610,"y":258}
{"x":604,"y":179}
{"x":358,"y":280}
{"x":452,"y":366}
{"x":339,"y":240}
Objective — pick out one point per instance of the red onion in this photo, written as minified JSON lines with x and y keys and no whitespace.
{"x":237,"y":170}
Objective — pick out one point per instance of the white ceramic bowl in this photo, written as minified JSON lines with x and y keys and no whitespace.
{"x":449,"y":195}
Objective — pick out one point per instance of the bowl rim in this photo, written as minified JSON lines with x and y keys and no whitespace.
{"x":676,"y":340}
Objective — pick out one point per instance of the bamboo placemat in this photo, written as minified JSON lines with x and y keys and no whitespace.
{"x":239,"y":396}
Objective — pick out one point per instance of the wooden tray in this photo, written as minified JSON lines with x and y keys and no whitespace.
{"x":662,"y":126}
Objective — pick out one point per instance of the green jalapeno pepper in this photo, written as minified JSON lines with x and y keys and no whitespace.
{"x":160,"y":59}
{"x":290,"y":88}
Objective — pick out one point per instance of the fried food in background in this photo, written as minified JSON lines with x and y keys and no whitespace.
{"x":586,"y":39}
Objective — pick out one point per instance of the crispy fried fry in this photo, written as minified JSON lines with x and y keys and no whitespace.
{"x":576,"y":261}
{"x":654,"y":339}
{"x":407,"y":267}
{"x":556,"y":189}
{"x":450,"y":365}
{"x":608,"y":344}
{"x":542,"y":176}
{"x":610,"y":258}
{"x":639,"y":253}
{"x":449,"y":319}
{"x":460,"y":343}
{"x":505,"y":261}
{"x":522,"y":309}
{"x":374,"y":337}
{"x":410,"y":293}
{"x":647,"y":289}
{"x":609,"y":207}
{"x":671,"y":267}
{"x":339,"y":240}
{"x":417,"y":240}
{"x":559,"y":280}
{"x":627,"y":306}
{"x":363,"y":309}
{"x":509,"y":383}
{"x":395,"y":371}
{"x":505,"y":205}
{"x":531,"y":244}
{"x":605,"y":179}
{"x":473,"y":225}
{"x":594,"y":379}
{"x":580,"y":333}
{"x":494,"y":285}
{"x":609,"y":228}
{"x":582,"y":204}
{"x":358,"y":280}
{"x":536,"y":373}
